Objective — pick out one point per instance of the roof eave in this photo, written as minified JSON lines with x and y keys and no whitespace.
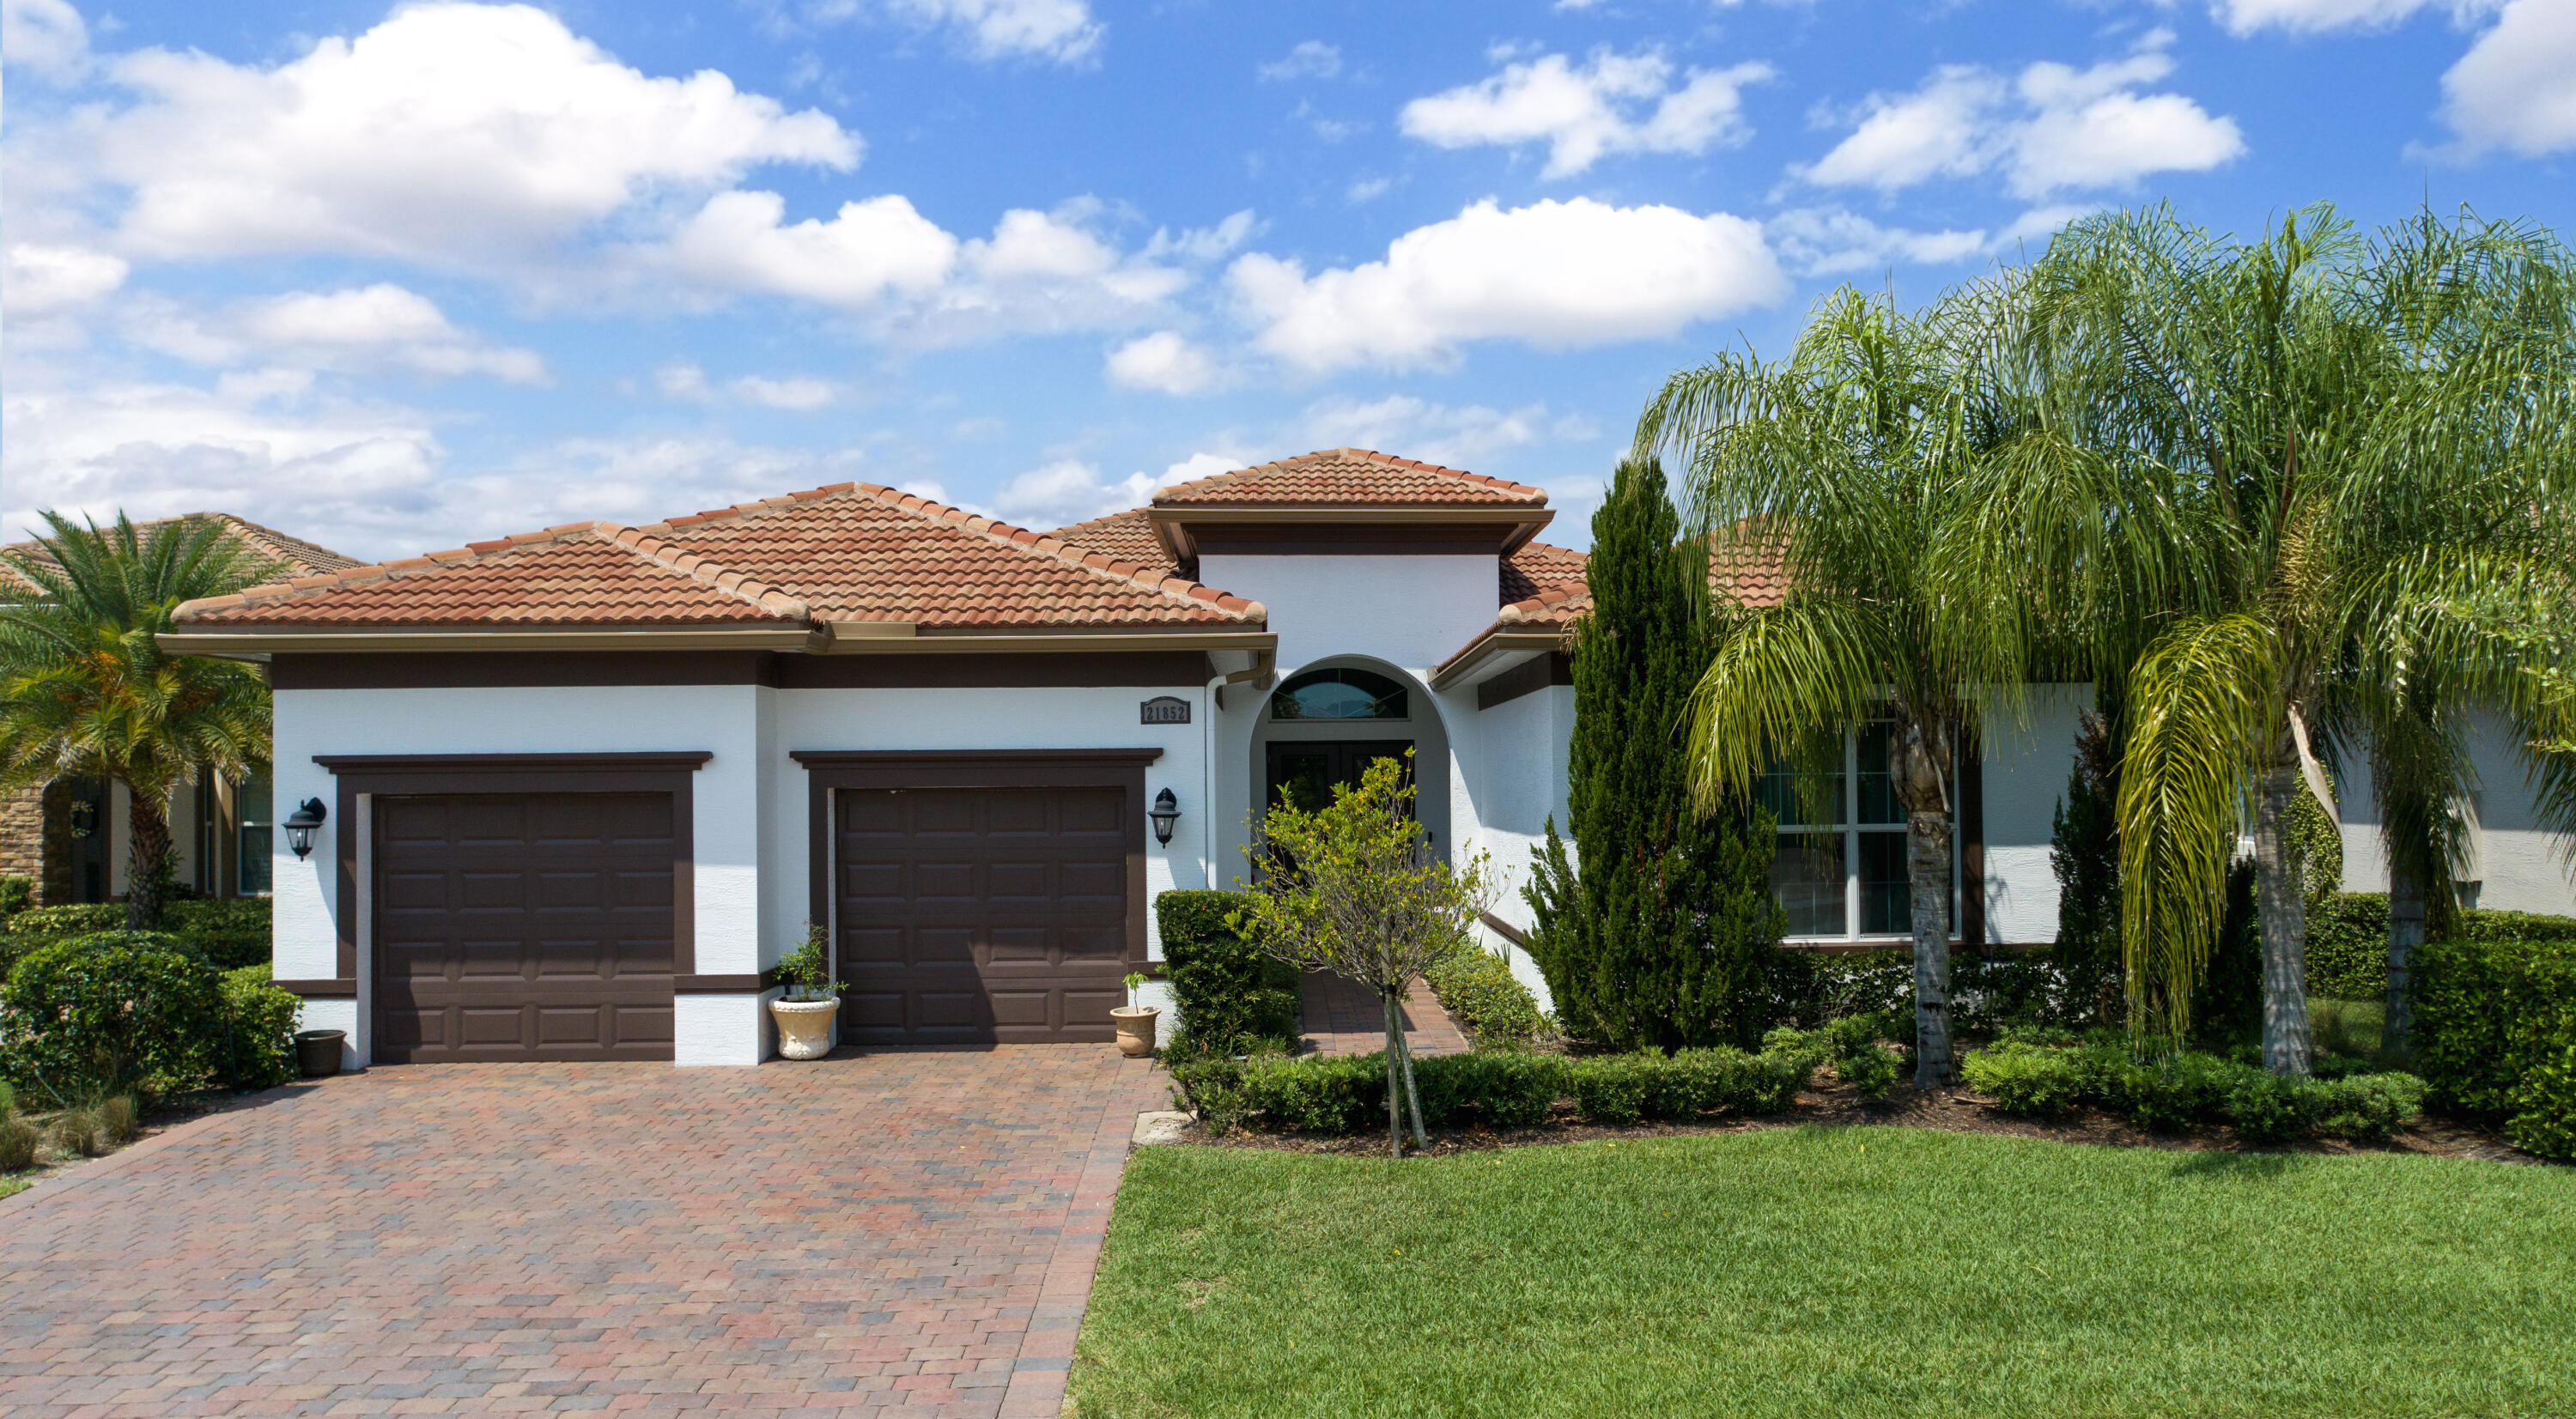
{"x":258,"y":641}
{"x":1496,"y":640}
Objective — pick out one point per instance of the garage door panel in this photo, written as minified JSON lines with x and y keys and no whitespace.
{"x":525,"y":926}
{"x":984,"y":914}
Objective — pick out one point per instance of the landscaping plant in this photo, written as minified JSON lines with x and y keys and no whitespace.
{"x":1232,"y":997}
{"x":1355,"y":889}
{"x":1476,"y":987}
{"x":2495,"y":1029}
{"x":1654,"y":932}
{"x":1841,"y":470}
{"x":2084,"y":853}
{"x":115,"y":1013}
{"x":2174,"y":1092}
{"x":86,"y":690}
{"x":2279,"y":481}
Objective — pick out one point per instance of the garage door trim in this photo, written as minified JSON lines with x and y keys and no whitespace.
{"x":829,"y":770}
{"x":397,"y":774}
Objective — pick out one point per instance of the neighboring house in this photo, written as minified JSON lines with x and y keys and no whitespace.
{"x":584,"y":787}
{"x":71,"y":836}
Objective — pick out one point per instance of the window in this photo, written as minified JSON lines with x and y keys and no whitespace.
{"x":1840,"y":867}
{"x":1340,"y":695}
{"x":255,"y":801}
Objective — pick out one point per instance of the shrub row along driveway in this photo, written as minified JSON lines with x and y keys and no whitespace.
{"x":908,"y":1231}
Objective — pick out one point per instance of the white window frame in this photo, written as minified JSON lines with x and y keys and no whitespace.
{"x":1850,"y":830}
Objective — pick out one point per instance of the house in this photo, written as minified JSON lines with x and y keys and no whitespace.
{"x":578,"y":790}
{"x":70,"y":837}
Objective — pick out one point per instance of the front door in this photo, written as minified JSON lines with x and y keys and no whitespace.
{"x":1302,"y":774}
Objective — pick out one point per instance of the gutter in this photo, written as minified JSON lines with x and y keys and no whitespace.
{"x":904,"y":638}
{"x":1483,"y":649}
{"x":260,"y":644}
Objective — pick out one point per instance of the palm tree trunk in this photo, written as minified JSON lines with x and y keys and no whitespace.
{"x":148,"y":868}
{"x":1927,"y":870}
{"x":2405,"y":933}
{"x":2283,"y":917}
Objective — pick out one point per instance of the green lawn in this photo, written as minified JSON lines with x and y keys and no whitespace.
{"x":1849,"y":1272}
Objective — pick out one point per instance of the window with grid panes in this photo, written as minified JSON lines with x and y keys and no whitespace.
{"x":1843,"y":879}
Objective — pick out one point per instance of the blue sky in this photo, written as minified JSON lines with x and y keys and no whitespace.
{"x":394,"y":278}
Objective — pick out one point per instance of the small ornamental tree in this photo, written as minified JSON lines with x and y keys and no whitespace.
{"x":1354,"y":888}
{"x":2084,"y":851}
{"x":1654,"y":932}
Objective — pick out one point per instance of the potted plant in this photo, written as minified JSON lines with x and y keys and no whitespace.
{"x":1135,"y":1022}
{"x":804,"y":1011}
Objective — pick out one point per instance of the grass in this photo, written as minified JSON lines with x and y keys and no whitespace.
{"x":11,"y":1187}
{"x":1832,"y":1272}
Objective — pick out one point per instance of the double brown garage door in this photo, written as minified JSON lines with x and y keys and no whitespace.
{"x":542,"y":926}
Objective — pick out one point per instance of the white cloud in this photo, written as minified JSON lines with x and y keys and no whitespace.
{"x":382,"y":324}
{"x":799,"y":395}
{"x":1556,"y":275}
{"x":44,"y":280}
{"x":683,"y":381}
{"x":1368,"y":189}
{"x":1068,"y":490}
{"x":1166,"y":361}
{"x":2244,"y":17}
{"x":1062,"y":31}
{"x":44,"y":37}
{"x":741,"y":241}
{"x":450,"y":134}
{"x":1614,"y":104}
{"x":2054,"y":127}
{"x":1311,"y":59}
{"x":1830,"y":241}
{"x":1455,"y":435}
{"x":2516,"y":87}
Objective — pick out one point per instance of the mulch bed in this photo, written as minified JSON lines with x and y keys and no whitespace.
{"x":1832,"y":1103}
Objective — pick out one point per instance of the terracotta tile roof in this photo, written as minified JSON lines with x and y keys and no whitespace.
{"x":1127,"y":536}
{"x":1543,"y":585}
{"x":582,"y":573}
{"x":851,"y":551}
{"x":1754,"y":573}
{"x":1343,"y":477}
{"x":299,"y":556}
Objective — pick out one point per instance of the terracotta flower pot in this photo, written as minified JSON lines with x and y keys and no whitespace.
{"x":804,"y":1026}
{"x":1135,"y":1029}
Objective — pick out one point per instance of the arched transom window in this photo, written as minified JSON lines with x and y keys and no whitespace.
{"x":1339,"y":694}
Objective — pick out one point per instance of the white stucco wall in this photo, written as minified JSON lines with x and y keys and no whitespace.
{"x":2515,"y":863}
{"x":2027,"y":759}
{"x":1407,"y":610}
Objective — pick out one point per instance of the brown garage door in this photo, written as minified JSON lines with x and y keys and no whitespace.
{"x":982,"y":914}
{"x":516,"y":926}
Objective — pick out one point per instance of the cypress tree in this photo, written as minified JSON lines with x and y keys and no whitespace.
{"x":1656,"y":932}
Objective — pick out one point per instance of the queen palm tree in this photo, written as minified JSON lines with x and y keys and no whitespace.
{"x":85,"y":689}
{"x":1842,"y":462}
{"x":2282,"y":481}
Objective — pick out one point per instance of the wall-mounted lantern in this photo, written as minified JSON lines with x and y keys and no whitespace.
{"x":300,"y":824}
{"x":1165,"y":812}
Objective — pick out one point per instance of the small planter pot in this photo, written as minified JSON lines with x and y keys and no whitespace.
{"x":317,"y":1052}
{"x":1135,"y":1029}
{"x":804,"y":1026}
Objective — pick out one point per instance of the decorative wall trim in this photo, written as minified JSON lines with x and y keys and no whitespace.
{"x":319,"y":989}
{"x":724,"y":985}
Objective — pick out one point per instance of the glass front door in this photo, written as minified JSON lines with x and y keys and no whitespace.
{"x":1303,"y":774}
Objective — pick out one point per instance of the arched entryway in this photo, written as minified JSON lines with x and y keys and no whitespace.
{"x":1324,"y":723}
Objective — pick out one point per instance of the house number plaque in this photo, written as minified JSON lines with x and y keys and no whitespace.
{"x":1164,"y":709}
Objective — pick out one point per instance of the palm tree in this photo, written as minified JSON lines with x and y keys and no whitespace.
{"x":1842,"y":463}
{"x":85,"y":689}
{"x":2283,"y":481}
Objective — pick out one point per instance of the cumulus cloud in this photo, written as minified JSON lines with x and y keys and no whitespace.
{"x":1311,"y":59}
{"x":797,"y":395}
{"x":1831,"y":241}
{"x":741,"y":241}
{"x":2052,"y":128}
{"x":382,"y":324}
{"x":1556,"y":275}
{"x":45,"y":280}
{"x":1068,"y":490}
{"x":448,"y":134}
{"x":1614,"y":104}
{"x":2515,"y":89}
{"x":2244,"y":17}
{"x":1166,"y":361}
{"x":43,"y":37}
{"x":1457,"y":435}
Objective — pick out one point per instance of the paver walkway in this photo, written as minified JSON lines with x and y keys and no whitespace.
{"x":907,"y":1232}
{"x":1344,"y":1017}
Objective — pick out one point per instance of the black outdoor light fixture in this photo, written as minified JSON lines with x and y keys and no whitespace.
{"x":1166,"y":811}
{"x":301,"y":823}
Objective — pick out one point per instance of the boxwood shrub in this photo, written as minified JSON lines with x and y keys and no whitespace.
{"x":2495,"y":1029}
{"x":1346,"y":1094}
{"x":1231,"y":998}
{"x":232,"y":932}
{"x":2192,"y":1088}
{"x":112,"y":1013}
{"x":1478,"y":990}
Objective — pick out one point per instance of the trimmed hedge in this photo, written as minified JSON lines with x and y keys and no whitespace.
{"x":1231,"y":997}
{"x":1346,"y":1094}
{"x":112,"y":1013}
{"x":1478,"y":990}
{"x":2169,"y":1095}
{"x":233,"y":932}
{"x":16,"y":895}
{"x":2495,"y":1031}
{"x":262,"y":1035}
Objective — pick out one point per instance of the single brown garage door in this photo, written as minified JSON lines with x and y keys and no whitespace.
{"x":520,"y":926}
{"x":982,"y":914}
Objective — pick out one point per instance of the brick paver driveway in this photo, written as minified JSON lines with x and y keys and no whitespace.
{"x":907,"y":1231}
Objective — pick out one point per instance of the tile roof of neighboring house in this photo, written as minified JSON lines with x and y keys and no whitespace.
{"x":851,"y":551}
{"x":1343,"y":477}
{"x":302,"y":557}
{"x":1127,"y":536}
{"x":1543,"y":585}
